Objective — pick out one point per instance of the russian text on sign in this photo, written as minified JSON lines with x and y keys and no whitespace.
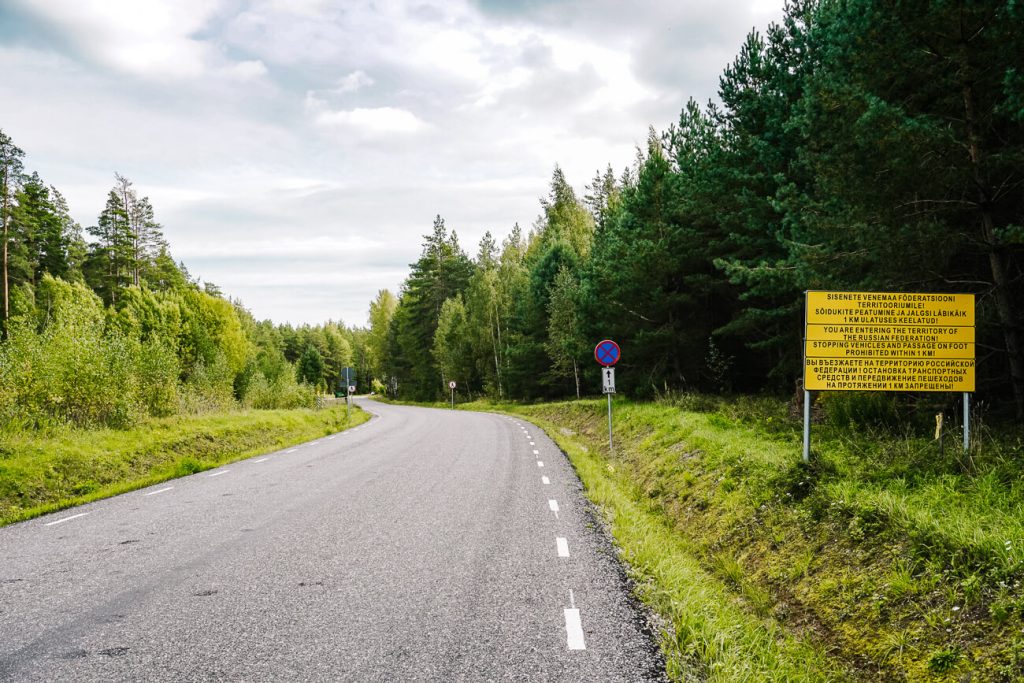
{"x":889,"y":341}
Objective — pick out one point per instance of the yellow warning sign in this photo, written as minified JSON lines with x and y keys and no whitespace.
{"x":898,"y":333}
{"x":889,"y":341}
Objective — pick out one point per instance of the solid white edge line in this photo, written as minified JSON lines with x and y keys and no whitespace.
{"x":574,"y":630}
{"x":562,"y":545}
{"x":217,"y":474}
{"x":553,"y":504}
{"x":67,"y":519}
{"x":545,"y":480}
{"x":153,"y":493}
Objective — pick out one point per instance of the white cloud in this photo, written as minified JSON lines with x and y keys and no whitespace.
{"x":248,"y":70}
{"x":373,"y":121}
{"x":146,"y":37}
{"x":357,"y":80}
{"x":304,"y":146}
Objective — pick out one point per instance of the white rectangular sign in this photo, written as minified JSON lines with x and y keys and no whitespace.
{"x":609,"y":380}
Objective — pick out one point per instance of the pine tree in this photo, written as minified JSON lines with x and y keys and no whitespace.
{"x":10,"y":180}
{"x":442,"y":271}
{"x":566,"y":341}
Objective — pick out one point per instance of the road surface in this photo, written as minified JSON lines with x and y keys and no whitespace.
{"x":425,"y":545}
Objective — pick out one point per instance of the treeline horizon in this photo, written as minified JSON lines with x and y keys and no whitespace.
{"x":858,"y":145}
{"x":109,"y":331}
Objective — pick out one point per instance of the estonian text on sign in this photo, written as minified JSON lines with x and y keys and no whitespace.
{"x":889,"y":341}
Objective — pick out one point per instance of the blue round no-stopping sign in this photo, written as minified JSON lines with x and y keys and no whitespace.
{"x":607,"y":353}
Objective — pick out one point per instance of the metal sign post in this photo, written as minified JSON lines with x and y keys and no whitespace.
{"x":967,"y":422}
{"x":451,"y":385}
{"x":607,"y":354}
{"x":807,"y":426}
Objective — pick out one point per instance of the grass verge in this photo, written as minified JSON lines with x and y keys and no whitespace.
{"x":44,"y":472}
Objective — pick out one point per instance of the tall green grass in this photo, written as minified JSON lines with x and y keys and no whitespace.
{"x":710,"y":633}
{"x":46,"y":470}
{"x":897,"y":561}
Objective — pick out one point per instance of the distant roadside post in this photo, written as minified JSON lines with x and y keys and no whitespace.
{"x":348,"y":378}
{"x":888,"y":341}
{"x":607,"y":354}
{"x":451,"y":385}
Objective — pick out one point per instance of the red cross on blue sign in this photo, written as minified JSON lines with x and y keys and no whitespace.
{"x":607,"y":353}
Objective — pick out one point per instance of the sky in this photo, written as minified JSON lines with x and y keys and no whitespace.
{"x":297,"y":151}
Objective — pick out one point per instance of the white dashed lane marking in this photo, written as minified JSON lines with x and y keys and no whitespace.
{"x":553,"y":504}
{"x":574,"y":630}
{"x":562,"y":545}
{"x":153,"y":493}
{"x":291,"y":450}
{"x":67,"y":519}
{"x":540,"y":463}
{"x":262,"y":460}
{"x":545,"y":481}
{"x":536,"y":452}
{"x":217,"y":474}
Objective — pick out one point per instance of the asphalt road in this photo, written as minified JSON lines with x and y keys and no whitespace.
{"x":425,"y":545}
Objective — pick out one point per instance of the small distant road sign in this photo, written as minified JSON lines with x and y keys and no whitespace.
{"x":609,"y":380}
{"x":607,"y":353}
{"x":451,"y":385}
{"x":352,"y":388}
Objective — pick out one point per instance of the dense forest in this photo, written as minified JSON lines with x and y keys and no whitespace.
{"x":859,"y":144}
{"x":105,"y":329}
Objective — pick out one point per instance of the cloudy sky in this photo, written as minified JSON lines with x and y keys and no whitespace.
{"x":296,"y":151}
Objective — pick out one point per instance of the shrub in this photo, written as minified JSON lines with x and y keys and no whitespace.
{"x":209,"y":387}
{"x":281,"y":392}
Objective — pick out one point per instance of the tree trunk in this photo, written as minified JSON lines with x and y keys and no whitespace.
{"x":497,"y":326}
{"x":1005,"y":306}
{"x":7,"y":304}
{"x":4,"y":210}
{"x":497,"y":365}
{"x":576,"y":374}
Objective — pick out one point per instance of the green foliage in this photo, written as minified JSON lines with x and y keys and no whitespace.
{"x":879,"y":552}
{"x":310,"y":368}
{"x":567,"y":345}
{"x":281,"y":392}
{"x":860,"y":409}
{"x":160,"y":346}
{"x":442,"y":271}
{"x":451,"y":350}
{"x":863,"y":145}
{"x":62,"y":369}
{"x":944,"y":660}
{"x":43,"y":471}
{"x":382,"y":310}
{"x":209,"y":387}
